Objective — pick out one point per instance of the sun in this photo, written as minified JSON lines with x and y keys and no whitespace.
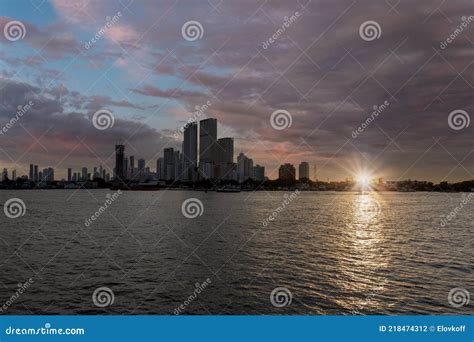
{"x":363,"y":180}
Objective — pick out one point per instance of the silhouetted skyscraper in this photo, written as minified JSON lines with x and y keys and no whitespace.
{"x":168,"y":155}
{"x":190,"y":148}
{"x":69,"y":174}
{"x":287,"y":172}
{"x":35,"y":174}
{"x":259,"y":173}
{"x":207,"y":147}
{"x":244,"y":168}
{"x":119,"y":162}
{"x":303,"y":171}
{"x":32,"y":174}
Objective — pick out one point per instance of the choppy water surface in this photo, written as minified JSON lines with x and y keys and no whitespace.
{"x":337,"y":253}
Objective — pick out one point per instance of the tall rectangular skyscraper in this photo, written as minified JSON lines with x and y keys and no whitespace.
{"x":190,"y":149}
{"x":119,"y":162}
{"x":303,"y":171}
{"x":208,"y":140}
{"x":225,"y":150}
{"x":69,"y":174}
{"x":168,"y":154}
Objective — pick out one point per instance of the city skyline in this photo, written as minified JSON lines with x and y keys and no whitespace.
{"x":383,"y":103}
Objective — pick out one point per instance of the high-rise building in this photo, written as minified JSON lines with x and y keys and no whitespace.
{"x":84,"y":174}
{"x":259,"y":173}
{"x":14,"y":175}
{"x":225,"y":158}
{"x":119,"y":162}
{"x":244,"y":168}
{"x":48,"y":175}
{"x":35,"y":174}
{"x":207,"y":147}
{"x":141,"y":169}
{"x":190,"y":149}
{"x":168,"y":154}
{"x":287,"y":172}
{"x":31,"y":173}
{"x":177,"y":163}
{"x":132,"y":167}
{"x":69,"y":174}
{"x":160,"y":168}
{"x":303,"y":171}
{"x":5,"y":174}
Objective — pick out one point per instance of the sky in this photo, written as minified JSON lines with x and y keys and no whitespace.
{"x":290,"y":81}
